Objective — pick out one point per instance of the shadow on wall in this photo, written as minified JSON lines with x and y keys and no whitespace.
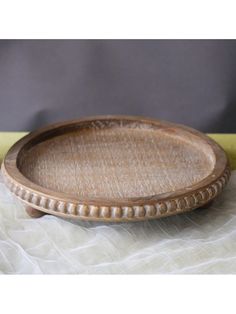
{"x":38,"y":120}
{"x":226,"y":122}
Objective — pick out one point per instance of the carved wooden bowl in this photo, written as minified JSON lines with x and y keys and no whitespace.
{"x":115,"y":168}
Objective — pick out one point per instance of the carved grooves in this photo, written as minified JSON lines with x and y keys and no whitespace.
{"x":161,"y":208}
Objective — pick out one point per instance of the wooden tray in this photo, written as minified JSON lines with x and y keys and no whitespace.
{"x":115,"y":168}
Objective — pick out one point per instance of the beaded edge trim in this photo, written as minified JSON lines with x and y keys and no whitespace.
{"x":92,"y":212}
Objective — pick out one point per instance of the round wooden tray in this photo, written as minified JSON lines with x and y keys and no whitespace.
{"x":115,"y":168}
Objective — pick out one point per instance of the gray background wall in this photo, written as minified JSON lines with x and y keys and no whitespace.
{"x":185,"y":81}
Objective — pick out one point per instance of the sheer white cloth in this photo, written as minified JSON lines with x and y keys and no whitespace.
{"x":203,"y":241}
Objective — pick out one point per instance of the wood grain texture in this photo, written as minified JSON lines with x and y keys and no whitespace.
{"x":116,"y":168}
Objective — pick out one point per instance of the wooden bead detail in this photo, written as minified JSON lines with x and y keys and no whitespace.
{"x":105,"y":212}
{"x":215,"y":189}
{"x":197,"y":198}
{"x":223,"y":181}
{"x":71,"y":209}
{"x":219,"y":185}
{"x":14,"y":187}
{"x":35,"y":199}
{"x":139,"y":211}
{"x":61,"y":207}
{"x":171,"y":206}
{"x":94,"y":211}
{"x":150,"y":210}
{"x":204,"y":194}
{"x":51,"y":204}
{"x":128,"y":212}
{"x":82,"y":210}
{"x":27,"y":196}
{"x":43,"y":202}
{"x":161,"y":208}
{"x":182,"y":204}
{"x":20,"y":193}
{"x":116,"y":212}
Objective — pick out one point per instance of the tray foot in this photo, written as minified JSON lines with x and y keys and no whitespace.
{"x":34,"y":213}
{"x":207,"y":205}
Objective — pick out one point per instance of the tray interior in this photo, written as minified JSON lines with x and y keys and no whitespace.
{"x":117,"y":162}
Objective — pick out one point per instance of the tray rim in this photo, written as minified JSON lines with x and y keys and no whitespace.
{"x":137,"y":208}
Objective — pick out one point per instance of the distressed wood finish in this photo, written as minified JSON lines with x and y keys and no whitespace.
{"x":115,"y":168}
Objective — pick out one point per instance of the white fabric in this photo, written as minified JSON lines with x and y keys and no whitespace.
{"x":203,"y":241}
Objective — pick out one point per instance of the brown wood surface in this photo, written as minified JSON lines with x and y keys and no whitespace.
{"x":116,"y":168}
